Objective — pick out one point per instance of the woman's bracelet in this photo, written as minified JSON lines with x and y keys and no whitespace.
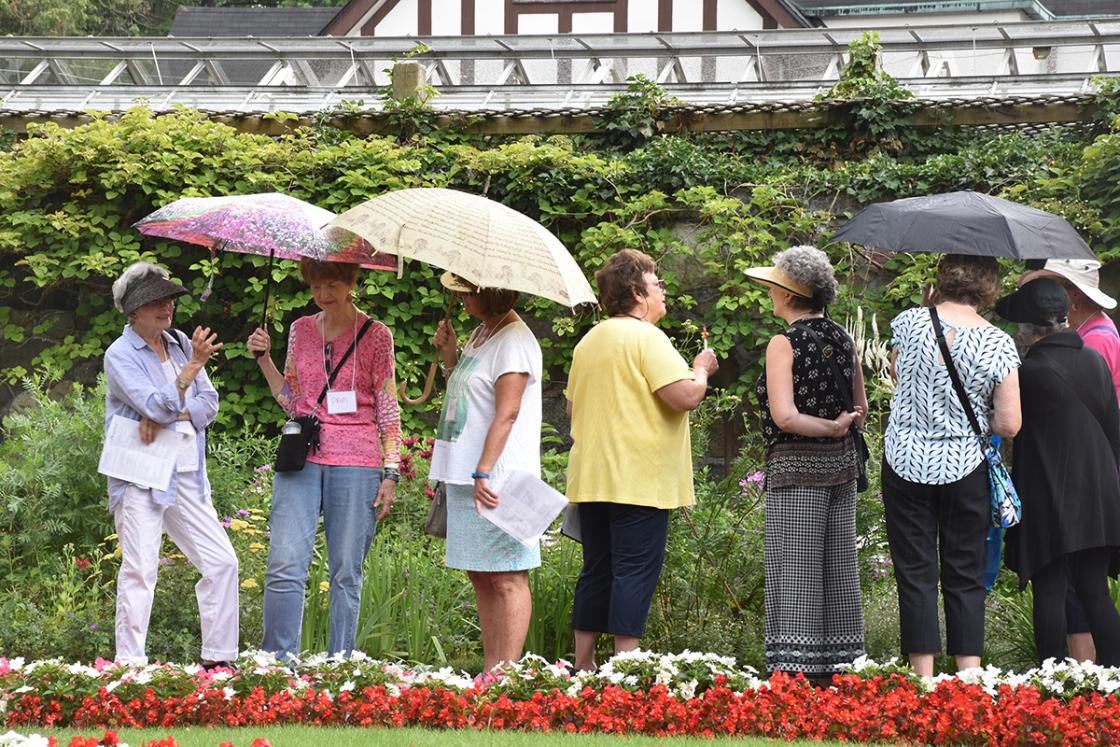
{"x":390,"y":473}
{"x":480,"y":475}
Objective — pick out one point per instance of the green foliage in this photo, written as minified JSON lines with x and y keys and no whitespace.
{"x":50,"y":493}
{"x":704,"y":206}
{"x":634,"y":117}
{"x":877,"y":109}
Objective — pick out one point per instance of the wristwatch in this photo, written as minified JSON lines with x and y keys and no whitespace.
{"x":182,"y":383}
{"x":390,"y":473}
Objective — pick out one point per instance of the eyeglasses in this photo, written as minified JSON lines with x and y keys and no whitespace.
{"x":659,"y":283}
{"x":327,"y":358}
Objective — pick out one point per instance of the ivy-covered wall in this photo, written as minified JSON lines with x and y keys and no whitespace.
{"x":707,"y":206}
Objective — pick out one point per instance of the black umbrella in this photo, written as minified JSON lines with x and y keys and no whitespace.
{"x":965,"y":223}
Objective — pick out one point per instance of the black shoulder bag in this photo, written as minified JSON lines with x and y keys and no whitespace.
{"x":845,"y":387}
{"x":300,"y":436}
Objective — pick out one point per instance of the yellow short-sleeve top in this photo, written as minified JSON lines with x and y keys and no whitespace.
{"x":629,"y":446}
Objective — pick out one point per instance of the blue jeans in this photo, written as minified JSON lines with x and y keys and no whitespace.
{"x":345,"y":496}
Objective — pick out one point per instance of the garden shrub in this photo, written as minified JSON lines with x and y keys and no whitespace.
{"x":706,"y":206}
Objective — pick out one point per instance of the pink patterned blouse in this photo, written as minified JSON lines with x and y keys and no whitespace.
{"x":368,"y":437}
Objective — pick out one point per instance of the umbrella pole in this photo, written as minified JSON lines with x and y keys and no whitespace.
{"x":267,"y":290}
{"x":430,"y":381}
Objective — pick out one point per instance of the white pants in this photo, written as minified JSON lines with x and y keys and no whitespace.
{"x":192,"y":524}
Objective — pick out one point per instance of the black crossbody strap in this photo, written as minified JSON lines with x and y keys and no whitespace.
{"x":842,"y":382}
{"x":345,"y":357}
{"x":953,"y":375}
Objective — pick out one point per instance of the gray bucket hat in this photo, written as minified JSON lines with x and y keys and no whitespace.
{"x":143,"y":283}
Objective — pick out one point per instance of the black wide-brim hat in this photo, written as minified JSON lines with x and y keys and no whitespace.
{"x":148,"y":288}
{"x":1041,"y":301}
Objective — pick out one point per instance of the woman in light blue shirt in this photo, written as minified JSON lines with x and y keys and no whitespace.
{"x":155,"y":375}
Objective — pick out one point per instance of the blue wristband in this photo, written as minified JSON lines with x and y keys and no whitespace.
{"x":477,"y":475}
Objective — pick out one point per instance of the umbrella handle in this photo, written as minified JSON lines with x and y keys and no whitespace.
{"x":429,"y":385}
{"x":430,"y":381}
{"x":267,"y":292}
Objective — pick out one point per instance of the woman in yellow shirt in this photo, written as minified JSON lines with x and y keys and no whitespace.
{"x":625,"y":480}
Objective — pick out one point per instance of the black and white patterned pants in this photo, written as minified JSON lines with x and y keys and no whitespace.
{"x":814,"y":620}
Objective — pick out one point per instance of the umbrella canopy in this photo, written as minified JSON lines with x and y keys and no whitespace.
{"x":965,"y":223}
{"x":482,"y":241}
{"x":270,"y":224}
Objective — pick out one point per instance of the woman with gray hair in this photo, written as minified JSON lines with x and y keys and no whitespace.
{"x":812,"y":400}
{"x":1065,"y":470}
{"x":155,"y":375}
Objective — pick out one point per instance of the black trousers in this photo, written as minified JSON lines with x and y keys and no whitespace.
{"x":623,"y":551}
{"x":927,"y":523}
{"x":1087,"y":572}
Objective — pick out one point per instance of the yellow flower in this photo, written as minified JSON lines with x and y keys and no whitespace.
{"x":238,"y":525}
{"x":255,"y":547}
{"x":324,"y":586}
{"x":249,"y":583}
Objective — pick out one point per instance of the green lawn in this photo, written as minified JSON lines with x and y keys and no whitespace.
{"x":310,"y":736}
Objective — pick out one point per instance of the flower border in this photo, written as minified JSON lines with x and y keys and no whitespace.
{"x":633,"y":693}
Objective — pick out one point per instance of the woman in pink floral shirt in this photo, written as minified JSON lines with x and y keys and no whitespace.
{"x":351,"y":476}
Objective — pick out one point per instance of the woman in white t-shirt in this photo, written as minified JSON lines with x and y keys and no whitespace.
{"x":490,"y":424}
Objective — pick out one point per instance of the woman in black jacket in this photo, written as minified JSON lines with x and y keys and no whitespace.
{"x":1065,"y":469}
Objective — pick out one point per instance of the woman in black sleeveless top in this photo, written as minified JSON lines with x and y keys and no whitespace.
{"x":814,"y":619}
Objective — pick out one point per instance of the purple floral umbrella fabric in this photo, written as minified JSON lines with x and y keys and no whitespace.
{"x":270,"y":224}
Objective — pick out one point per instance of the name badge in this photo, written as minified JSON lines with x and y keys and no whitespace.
{"x":340,"y":403}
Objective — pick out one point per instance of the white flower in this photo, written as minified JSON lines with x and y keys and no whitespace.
{"x":347,"y":686}
{"x":687,"y":690}
{"x":228,"y":692}
{"x":264,"y":659}
{"x":12,"y":739}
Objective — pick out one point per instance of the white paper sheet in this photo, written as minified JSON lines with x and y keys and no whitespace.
{"x":527,"y":505}
{"x":126,"y":458}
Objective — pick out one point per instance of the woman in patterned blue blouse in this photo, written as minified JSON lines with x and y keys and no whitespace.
{"x":935,"y":480}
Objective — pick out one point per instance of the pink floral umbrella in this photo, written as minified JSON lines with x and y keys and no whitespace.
{"x":271,"y":224}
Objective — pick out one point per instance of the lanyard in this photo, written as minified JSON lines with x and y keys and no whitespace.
{"x":328,"y":349}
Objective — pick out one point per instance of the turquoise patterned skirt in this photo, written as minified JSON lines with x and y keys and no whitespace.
{"x":474,"y":544}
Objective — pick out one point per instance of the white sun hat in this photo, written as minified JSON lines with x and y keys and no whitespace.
{"x":1084,"y":274}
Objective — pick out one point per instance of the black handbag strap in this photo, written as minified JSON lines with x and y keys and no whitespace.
{"x":842,"y":382}
{"x":345,"y":357}
{"x":953,"y":375}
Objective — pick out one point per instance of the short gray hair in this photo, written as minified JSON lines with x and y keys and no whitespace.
{"x":1030,"y":331}
{"x":133,"y":272}
{"x":811,"y":267}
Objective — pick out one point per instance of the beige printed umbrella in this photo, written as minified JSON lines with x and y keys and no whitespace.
{"x":478,"y":239}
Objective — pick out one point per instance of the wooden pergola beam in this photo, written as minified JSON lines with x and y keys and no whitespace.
{"x":924,"y":114}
